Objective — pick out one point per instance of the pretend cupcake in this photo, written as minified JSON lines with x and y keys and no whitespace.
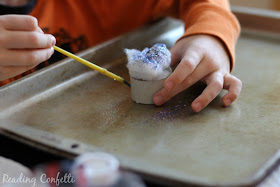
{"x":148,"y":70}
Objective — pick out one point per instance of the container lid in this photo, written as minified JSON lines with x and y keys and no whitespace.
{"x":96,"y":169}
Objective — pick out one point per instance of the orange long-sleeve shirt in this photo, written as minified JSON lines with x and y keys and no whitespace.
{"x":81,"y":24}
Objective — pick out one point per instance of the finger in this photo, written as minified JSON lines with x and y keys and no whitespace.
{"x":234,"y":86}
{"x":11,"y":71}
{"x":19,"y":23}
{"x":25,"y":57}
{"x":175,"y":55}
{"x":40,"y":30}
{"x":164,"y":94}
{"x":215,"y":85}
{"x":27,"y":40}
{"x":187,"y":65}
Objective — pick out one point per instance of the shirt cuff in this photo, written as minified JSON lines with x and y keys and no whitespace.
{"x":215,"y":21}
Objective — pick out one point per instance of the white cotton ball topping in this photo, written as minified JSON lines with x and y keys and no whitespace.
{"x":149,"y":64}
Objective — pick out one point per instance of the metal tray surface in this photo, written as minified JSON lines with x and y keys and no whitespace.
{"x":69,"y":109}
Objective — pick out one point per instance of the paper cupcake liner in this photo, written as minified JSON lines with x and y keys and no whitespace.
{"x":142,"y":91}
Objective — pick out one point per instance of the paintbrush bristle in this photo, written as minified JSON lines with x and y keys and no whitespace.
{"x":124,"y":81}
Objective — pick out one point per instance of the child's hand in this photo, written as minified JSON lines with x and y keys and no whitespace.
{"x":200,"y":57}
{"x":23,"y":45}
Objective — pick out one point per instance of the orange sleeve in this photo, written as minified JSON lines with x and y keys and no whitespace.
{"x":212,"y":17}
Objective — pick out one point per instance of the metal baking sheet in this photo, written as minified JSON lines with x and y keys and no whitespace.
{"x":69,"y":109}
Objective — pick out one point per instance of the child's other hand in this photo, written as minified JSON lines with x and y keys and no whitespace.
{"x":23,"y":45}
{"x":200,"y":57}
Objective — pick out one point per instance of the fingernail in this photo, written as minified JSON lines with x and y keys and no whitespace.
{"x":53,"y":40}
{"x":227,"y":102}
{"x":52,"y":50}
{"x":197,"y":107}
{"x":158,"y":99}
{"x":169,"y":85}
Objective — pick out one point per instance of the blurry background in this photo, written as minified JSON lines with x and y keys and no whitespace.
{"x":264,"y":4}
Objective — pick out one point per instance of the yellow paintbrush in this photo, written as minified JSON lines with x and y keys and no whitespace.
{"x":92,"y":66}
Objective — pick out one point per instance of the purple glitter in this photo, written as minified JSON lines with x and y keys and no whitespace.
{"x":150,"y":64}
{"x":157,"y":54}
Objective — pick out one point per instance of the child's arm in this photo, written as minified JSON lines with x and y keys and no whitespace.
{"x":23,"y":45}
{"x":205,"y":52}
